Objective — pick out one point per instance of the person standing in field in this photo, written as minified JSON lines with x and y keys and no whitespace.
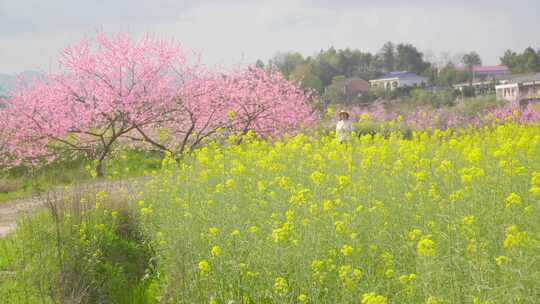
{"x":344,"y":127}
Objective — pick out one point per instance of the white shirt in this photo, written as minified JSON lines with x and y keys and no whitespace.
{"x":344,"y":129}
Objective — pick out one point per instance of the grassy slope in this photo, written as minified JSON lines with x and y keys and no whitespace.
{"x":22,"y":182}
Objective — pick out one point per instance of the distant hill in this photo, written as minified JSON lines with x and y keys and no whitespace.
{"x":9,"y":81}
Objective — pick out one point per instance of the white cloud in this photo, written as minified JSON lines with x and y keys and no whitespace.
{"x":228,"y":31}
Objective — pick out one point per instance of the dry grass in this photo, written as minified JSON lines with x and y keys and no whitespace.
{"x":10,"y":185}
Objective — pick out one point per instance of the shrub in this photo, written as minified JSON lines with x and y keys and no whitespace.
{"x":422,"y":97}
{"x":470,"y":107}
{"x":384,"y":128}
{"x":84,"y":249}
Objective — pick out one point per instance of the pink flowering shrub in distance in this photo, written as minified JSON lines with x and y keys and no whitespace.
{"x":526,"y":114}
{"x":114,"y":89}
{"x":443,"y":118}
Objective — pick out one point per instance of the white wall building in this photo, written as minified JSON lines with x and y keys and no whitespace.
{"x":520,"y":88}
{"x":394,"y":80}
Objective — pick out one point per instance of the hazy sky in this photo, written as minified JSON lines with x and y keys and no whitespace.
{"x":32,"y":32}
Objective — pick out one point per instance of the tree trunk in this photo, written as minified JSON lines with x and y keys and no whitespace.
{"x":100,"y":171}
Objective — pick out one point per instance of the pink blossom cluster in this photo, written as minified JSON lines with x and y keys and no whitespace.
{"x":115,"y":89}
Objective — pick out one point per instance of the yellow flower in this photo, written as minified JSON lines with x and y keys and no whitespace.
{"x":317,"y":265}
{"x":281,"y":287}
{"x":235,"y":232}
{"x":343,"y":181}
{"x":414,"y":234}
{"x":231,"y":115}
{"x":373,"y":298}
{"x":514,"y":237}
{"x":407,"y":278}
{"x":253,"y":229}
{"x":512,"y":199}
{"x":535,"y":190}
{"x":204,"y":267}
{"x":213,"y":231}
{"x":339,"y":226}
{"x":329,"y":111}
{"x":433,"y":300}
{"x":346,"y":250}
{"x":230,"y":183}
{"x":280,"y":234}
{"x":327,"y":205}
{"x":146,"y":211}
{"x":501,"y":260}
{"x":289,"y":215}
{"x":216,"y":251}
{"x":317,"y":177}
{"x":535,"y":183}
{"x":468,"y":220}
{"x":425,"y":247}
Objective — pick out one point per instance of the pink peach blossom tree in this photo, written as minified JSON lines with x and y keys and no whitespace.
{"x":115,"y":89}
{"x":218,"y":104}
{"x":108,"y":86}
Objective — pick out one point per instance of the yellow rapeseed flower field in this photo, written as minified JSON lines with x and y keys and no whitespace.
{"x":443,"y":217}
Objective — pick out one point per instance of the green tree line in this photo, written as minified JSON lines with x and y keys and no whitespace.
{"x":327,"y":70}
{"x":332,"y":66}
{"x":526,"y":62}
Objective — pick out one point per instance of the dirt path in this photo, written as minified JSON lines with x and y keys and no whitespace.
{"x":10,"y":211}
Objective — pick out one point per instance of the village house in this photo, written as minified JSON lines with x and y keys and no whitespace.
{"x":394,"y":80}
{"x":485,"y":78}
{"x":481,"y":87}
{"x":521,"y":88}
{"x":488,"y":71}
{"x":355,"y":87}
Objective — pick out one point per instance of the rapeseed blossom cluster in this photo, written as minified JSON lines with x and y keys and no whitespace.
{"x":440,"y":217}
{"x":425,"y":247}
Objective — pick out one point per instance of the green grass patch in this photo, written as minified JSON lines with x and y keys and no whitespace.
{"x":22,"y":182}
{"x":82,"y":249}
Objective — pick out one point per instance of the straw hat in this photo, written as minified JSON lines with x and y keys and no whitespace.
{"x":344,"y":112}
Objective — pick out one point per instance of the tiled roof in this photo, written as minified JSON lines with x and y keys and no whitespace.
{"x":490,"y":69}
{"x":523,"y":78}
{"x":398,"y":74}
{"x":487,"y":69}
